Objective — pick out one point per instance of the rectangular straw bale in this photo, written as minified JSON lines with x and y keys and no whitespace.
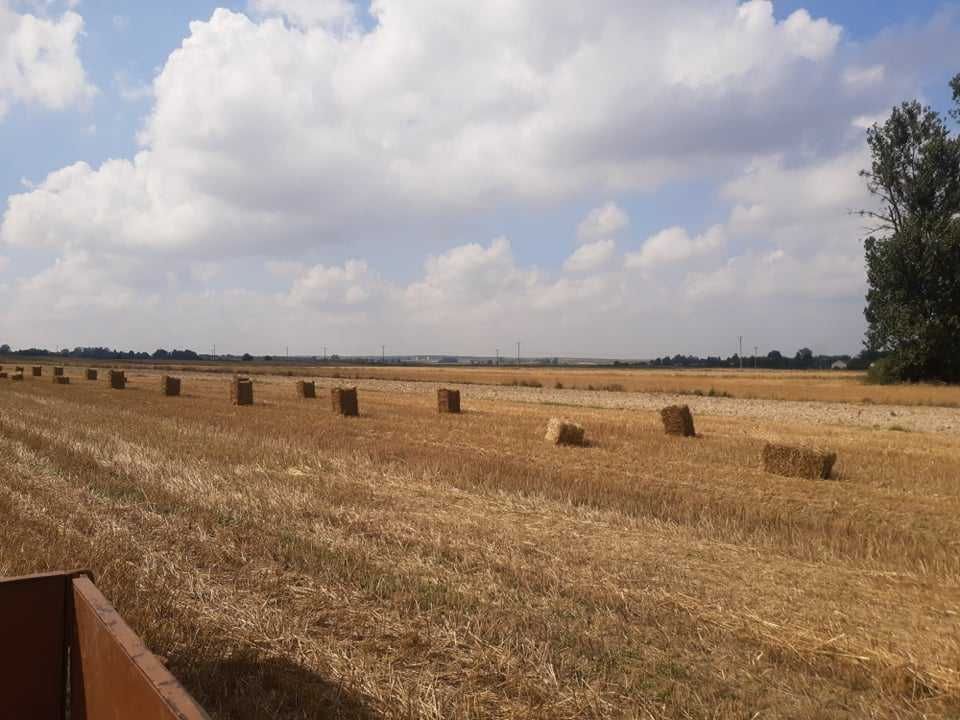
{"x":118,"y":379}
{"x":57,"y":371}
{"x":564,"y":432}
{"x":92,"y":374}
{"x":169,"y":386}
{"x":241,"y":391}
{"x":3,"y":376}
{"x":37,"y":370}
{"x":306,"y":390}
{"x":798,"y":462}
{"x":17,"y":377}
{"x":61,"y":380}
{"x":448,"y":401}
{"x":677,"y":420}
{"x":345,"y":401}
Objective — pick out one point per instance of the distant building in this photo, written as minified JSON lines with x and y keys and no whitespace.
{"x":839,"y":365}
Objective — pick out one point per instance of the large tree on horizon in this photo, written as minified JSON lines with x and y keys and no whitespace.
{"x":913,"y":252}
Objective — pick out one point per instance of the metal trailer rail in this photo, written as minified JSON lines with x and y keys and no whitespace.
{"x":65,"y":652}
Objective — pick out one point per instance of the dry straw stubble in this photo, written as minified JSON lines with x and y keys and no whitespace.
{"x":366,"y":563}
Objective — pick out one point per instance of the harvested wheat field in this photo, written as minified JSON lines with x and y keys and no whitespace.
{"x":411,"y":564}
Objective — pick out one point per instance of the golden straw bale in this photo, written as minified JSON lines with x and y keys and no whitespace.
{"x":37,"y":370}
{"x":169,"y":386}
{"x":57,"y":371}
{"x":345,"y":401}
{"x":448,"y":401}
{"x":92,"y":374}
{"x":564,"y":432}
{"x":241,"y":391}
{"x":306,"y":390}
{"x":17,"y":377}
{"x":677,"y":420}
{"x":118,"y":379}
{"x":799,"y":462}
{"x":61,"y":380}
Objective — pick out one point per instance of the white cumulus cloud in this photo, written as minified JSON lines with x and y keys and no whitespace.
{"x":675,"y":245}
{"x":335,"y":14}
{"x":602,"y":222}
{"x":39,"y":62}
{"x":267,"y":137}
{"x":591,"y":256}
{"x":349,"y":284}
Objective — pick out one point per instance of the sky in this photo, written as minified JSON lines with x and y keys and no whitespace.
{"x":619,"y":178}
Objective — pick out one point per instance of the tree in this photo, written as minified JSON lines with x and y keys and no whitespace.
{"x":913,"y":253}
{"x":4,"y":349}
{"x":804,"y":358}
{"x":247,"y":357}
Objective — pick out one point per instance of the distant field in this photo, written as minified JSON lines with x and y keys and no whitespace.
{"x":291,"y":564}
{"x":822,"y":386}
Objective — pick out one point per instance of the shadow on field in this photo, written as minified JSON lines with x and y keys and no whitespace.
{"x":261,"y":688}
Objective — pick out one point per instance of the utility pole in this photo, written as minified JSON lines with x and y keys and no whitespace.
{"x":756,"y":352}
{"x":740,"y":354}
{"x":214,"y":351}
{"x":383,"y":354}
{"x":518,"y":354}
{"x":288,"y":352}
{"x":498,"y":357}
{"x":324,"y":353}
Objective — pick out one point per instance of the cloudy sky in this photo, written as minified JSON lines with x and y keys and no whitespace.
{"x":625,"y":178}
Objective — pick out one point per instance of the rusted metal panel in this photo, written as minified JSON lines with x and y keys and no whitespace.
{"x":32,"y":638}
{"x":113,"y":674}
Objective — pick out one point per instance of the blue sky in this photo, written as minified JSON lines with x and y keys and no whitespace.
{"x":356,"y":260}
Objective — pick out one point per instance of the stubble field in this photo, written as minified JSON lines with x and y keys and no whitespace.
{"x":288,"y":563}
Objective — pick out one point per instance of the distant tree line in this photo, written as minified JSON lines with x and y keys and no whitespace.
{"x":804,"y":359}
{"x":102,"y":353}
